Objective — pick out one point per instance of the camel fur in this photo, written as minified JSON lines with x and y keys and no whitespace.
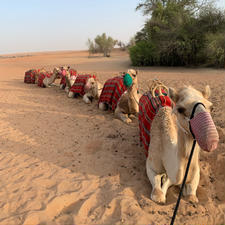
{"x":127,"y":106}
{"x":69,"y":82}
{"x":93,"y":90}
{"x":171,"y":143}
{"x":48,"y":81}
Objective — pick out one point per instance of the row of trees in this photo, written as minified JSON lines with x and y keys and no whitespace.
{"x":101,"y":44}
{"x":180,"y":33}
{"x":104,"y":44}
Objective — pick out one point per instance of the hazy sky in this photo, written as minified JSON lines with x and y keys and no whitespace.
{"x":48,"y":25}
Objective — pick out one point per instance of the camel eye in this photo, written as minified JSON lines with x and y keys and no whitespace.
{"x":181,"y":110}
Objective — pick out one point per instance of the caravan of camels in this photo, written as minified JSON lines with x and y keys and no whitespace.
{"x":169,"y":121}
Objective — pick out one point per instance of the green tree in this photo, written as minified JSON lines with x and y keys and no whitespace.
{"x":105,"y":44}
{"x":91,"y":47}
{"x":179,"y":33}
{"x":102,"y":44}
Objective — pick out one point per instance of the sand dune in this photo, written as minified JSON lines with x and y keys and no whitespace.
{"x":63,"y":162}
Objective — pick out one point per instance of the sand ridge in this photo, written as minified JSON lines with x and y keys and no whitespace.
{"x":65,"y":162}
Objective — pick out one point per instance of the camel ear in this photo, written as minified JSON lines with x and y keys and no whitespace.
{"x":173,"y":94}
{"x":207,"y":92}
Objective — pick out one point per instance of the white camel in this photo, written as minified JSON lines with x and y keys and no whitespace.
{"x":171,"y":142}
{"x":92,"y":89}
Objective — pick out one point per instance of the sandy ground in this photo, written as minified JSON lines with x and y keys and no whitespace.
{"x":64,"y":162}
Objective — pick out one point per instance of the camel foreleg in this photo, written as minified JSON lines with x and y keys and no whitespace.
{"x":158,"y":193}
{"x":122,"y":116}
{"x":191,"y":187}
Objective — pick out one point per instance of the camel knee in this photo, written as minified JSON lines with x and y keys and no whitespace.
{"x":87,"y":99}
{"x":61,"y":86}
{"x":102,"y":106}
{"x":71,"y":94}
{"x":67,"y":89}
{"x":122,"y":116}
{"x":158,"y":196}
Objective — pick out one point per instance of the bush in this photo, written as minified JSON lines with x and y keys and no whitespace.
{"x":143,"y":54}
{"x":215,"y":50}
{"x":175,"y":35}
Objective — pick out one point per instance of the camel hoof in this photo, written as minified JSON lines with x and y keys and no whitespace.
{"x":67,"y":90}
{"x":70,"y":94}
{"x":158,"y":196}
{"x":192,"y":198}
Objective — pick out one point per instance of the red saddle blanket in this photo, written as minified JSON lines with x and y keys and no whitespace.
{"x":41,"y":78}
{"x":29,"y":77}
{"x":78,"y":86}
{"x":112,"y":91}
{"x":148,"y":108}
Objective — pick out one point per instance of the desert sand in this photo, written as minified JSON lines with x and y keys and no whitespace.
{"x":63,"y":162}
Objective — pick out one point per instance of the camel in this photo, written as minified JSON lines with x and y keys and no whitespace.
{"x":171,"y":138}
{"x":93,"y":89}
{"x":46,"y":79}
{"x":127,"y":106}
{"x":82,"y":85}
{"x":68,"y":78}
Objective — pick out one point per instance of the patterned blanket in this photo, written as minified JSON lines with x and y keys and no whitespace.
{"x":112,"y":91}
{"x":29,"y":77}
{"x":41,"y":78}
{"x":148,"y":108}
{"x":78,"y":86}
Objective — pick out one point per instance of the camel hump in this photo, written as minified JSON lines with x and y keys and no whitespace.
{"x":157,"y":88}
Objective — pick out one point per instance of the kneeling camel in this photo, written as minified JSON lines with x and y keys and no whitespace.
{"x":171,"y":138}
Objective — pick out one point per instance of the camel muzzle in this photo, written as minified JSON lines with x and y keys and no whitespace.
{"x":63,"y":72}
{"x":204,"y":131}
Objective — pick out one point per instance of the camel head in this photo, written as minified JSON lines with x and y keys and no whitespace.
{"x":133,"y":73}
{"x":193,"y":115}
{"x":91,"y":86}
{"x":64,"y":70}
{"x":57,"y":71}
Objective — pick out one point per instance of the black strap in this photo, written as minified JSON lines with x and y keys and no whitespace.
{"x":188,"y":165}
{"x":192,"y":116}
{"x":183,"y":183}
{"x":194,"y":108}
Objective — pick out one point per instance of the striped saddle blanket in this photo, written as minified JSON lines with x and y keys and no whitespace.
{"x":41,"y":78}
{"x":112,"y":91}
{"x":148,"y":108}
{"x":29,"y":77}
{"x":79,"y":84}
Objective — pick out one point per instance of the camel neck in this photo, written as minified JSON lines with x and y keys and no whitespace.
{"x":52,"y":78}
{"x":184,"y":143}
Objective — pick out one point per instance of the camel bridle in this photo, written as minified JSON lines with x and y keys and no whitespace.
{"x":188,"y":164}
